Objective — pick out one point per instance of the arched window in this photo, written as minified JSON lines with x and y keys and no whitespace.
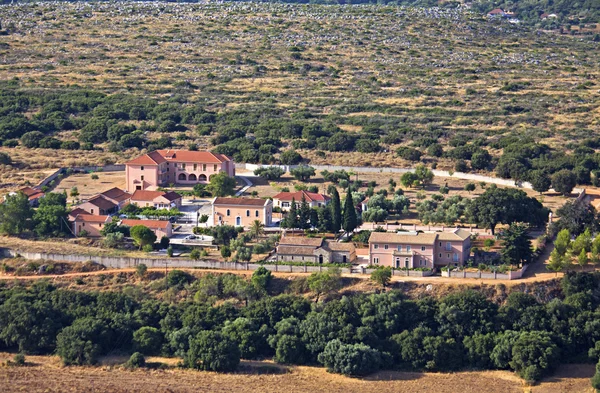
{"x":192,"y":177}
{"x":202,"y":177}
{"x":247,"y":213}
{"x":182,"y":176}
{"x":256,"y":213}
{"x":142,"y":167}
{"x":228,"y":212}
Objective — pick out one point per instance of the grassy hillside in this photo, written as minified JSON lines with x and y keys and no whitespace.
{"x":339,"y":84}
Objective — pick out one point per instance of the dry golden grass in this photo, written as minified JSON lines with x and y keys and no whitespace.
{"x":88,"y":187}
{"x":45,"y":374}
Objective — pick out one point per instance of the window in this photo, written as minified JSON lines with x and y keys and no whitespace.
{"x":455,"y":257}
{"x":385,"y":246}
{"x":375,"y":246}
{"x":408,"y":248}
{"x":422,"y":248}
{"x":142,"y":177}
{"x":204,"y":167}
{"x":448,"y":246}
{"x":399,"y":248}
{"x":440,"y":244}
{"x":183,"y":166}
{"x":376,"y":261}
{"x":83,"y":224}
{"x":92,"y":211}
{"x":195,"y":166}
{"x":215,"y":168}
{"x":440,"y":254}
{"x":247,"y":213}
{"x":285,"y":204}
{"x":228,"y":212}
{"x":421,"y":262}
{"x":256,"y":213}
{"x":142,"y":168}
{"x":448,"y":256}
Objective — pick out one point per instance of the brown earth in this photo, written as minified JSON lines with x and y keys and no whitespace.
{"x":46,"y":374}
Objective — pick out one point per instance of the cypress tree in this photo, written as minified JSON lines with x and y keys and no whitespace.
{"x":291,"y":221}
{"x":336,"y":211}
{"x":350,"y":220}
{"x":304,"y":214}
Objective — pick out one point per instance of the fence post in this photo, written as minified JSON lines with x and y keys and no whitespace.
{"x":305,"y":268}
{"x":276,"y":267}
{"x":290,"y":267}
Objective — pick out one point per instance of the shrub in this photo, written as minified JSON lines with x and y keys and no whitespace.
{"x":350,"y":359}
{"x":136,"y":360}
{"x":147,"y":340}
{"x":212,"y":351}
{"x":178,"y":278}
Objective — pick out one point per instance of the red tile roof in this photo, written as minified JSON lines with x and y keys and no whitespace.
{"x":77,"y":211}
{"x":152,"y":224}
{"x":297,"y":196}
{"x":240,"y":201}
{"x":160,"y":156}
{"x":31,"y":193}
{"x":146,"y":195}
{"x":91,"y":218}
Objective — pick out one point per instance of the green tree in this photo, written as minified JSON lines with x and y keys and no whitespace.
{"x":481,"y":159}
{"x":15,"y":214}
{"x":563,"y":181}
{"x":582,"y":259}
{"x":596,"y":378}
{"x":540,"y":181}
{"x":517,"y":245}
{"x":322,"y":283}
{"x":534,"y":354}
{"x":506,"y":205}
{"x":74,"y":193}
{"x":142,"y":235}
{"x":470,"y":187}
{"x":247,"y":334}
{"x":409,"y":179}
{"x":290,"y":157}
{"x":350,"y":220}
{"x":424,"y":174}
{"x":303,"y":172}
{"x":141,"y":270}
{"x":304,"y":214}
{"x":257,"y":229}
{"x":556,"y":262}
{"x":79,"y":344}
{"x":195,"y":254}
{"x":350,"y":359}
{"x":225,"y":252}
{"x":562,"y":242}
{"x":382,"y":276}
{"x":336,"y":211}
{"x":221,"y":185}
{"x":147,"y":340}
{"x":291,"y":219}
{"x":212,"y":351}
{"x":223,"y":234}
{"x":582,"y":242}
{"x":261,"y":279}
{"x":136,"y":360}
{"x":50,"y":218}
{"x":270,"y":173}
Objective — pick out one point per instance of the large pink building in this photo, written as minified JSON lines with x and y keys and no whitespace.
{"x":419,"y":249}
{"x":241,"y":211}
{"x":163,"y":167}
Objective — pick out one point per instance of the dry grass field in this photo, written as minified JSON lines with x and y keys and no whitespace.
{"x":88,"y":187}
{"x":45,"y":374}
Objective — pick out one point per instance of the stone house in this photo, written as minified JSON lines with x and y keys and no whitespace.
{"x":314,"y":250}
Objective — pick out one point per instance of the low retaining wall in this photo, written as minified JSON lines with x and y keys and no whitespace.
{"x":127,"y":262}
{"x":404,"y":273}
{"x":511,"y":275}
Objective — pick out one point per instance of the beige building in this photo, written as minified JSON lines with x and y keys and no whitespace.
{"x":419,"y":249}
{"x":241,"y":211}
{"x":314,"y":250}
{"x":163,"y":167}
{"x":98,"y":205}
{"x":88,"y":224}
{"x":117,"y":196}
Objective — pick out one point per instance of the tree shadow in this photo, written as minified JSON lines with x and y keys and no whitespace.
{"x":394,"y":376}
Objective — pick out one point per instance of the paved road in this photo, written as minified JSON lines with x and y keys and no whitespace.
{"x":366,"y":169}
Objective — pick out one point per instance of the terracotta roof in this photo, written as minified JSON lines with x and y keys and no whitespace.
{"x":291,"y":250}
{"x":301,"y":241}
{"x":117,"y":194}
{"x":77,"y":211}
{"x":31,"y":193}
{"x":240,"y":201}
{"x":159,"y":156}
{"x":152,"y":224}
{"x":91,"y":218}
{"x":297,"y":196}
{"x":145,"y":195}
{"x":457,"y":234}
{"x":337,"y":246}
{"x":403,"y":237}
{"x":101,"y":202}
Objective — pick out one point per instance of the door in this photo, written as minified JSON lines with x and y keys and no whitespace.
{"x":397,"y":263}
{"x":320,"y":258}
{"x":238,"y":221}
{"x":406,"y":263}
{"x":344,"y":259}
